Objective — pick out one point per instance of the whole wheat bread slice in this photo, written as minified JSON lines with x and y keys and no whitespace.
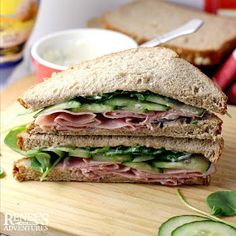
{"x":143,"y":20}
{"x":23,"y":172}
{"x":159,"y":70}
{"x":211,"y":149}
{"x":207,"y":127}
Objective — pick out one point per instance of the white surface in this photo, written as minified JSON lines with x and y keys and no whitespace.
{"x":64,"y":48}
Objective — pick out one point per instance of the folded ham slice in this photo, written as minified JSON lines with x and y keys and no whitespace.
{"x":66,"y":120}
{"x":95,"y":170}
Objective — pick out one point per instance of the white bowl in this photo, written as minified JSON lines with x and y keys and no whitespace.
{"x":58,"y":51}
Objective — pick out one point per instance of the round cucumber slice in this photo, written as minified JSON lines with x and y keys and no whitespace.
{"x":204,"y":228}
{"x":195,"y":163}
{"x":171,"y":224}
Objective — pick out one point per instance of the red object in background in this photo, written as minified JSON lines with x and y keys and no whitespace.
{"x":42,"y":71}
{"x":213,"y":5}
{"x":226,"y":78}
{"x":227,"y":73}
{"x":232,"y":94}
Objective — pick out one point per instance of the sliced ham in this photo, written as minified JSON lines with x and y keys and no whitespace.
{"x":66,"y":120}
{"x":95,"y":170}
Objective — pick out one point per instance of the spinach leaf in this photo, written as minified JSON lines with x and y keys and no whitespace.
{"x":11,"y":138}
{"x":42,"y":160}
{"x":222,"y":203}
{"x":11,"y":141}
{"x":208,"y":215}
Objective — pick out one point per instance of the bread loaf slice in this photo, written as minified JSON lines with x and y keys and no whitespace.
{"x":159,"y":70}
{"x":144,"y":20}
{"x":23,"y":172}
{"x":206,"y":128}
{"x":211,"y":149}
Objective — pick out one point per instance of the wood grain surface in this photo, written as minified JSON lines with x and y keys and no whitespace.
{"x":107,"y":209}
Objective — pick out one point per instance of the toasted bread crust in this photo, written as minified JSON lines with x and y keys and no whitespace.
{"x":23,"y":172}
{"x":23,"y":103}
{"x":211,"y":149}
{"x":206,"y":128}
{"x":206,"y":47}
{"x":159,"y":70}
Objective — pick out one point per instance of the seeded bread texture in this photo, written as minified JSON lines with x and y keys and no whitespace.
{"x":144,"y":20}
{"x":211,"y":149}
{"x":23,"y":172}
{"x":207,"y":127}
{"x":159,"y":70}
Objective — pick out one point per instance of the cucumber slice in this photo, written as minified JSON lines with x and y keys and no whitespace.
{"x":196,"y":163}
{"x":79,"y":152}
{"x":206,"y":228}
{"x":116,"y":158}
{"x":142,"y":166}
{"x":171,"y":224}
{"x":175,"y":104}
{"x":62,"y":106}
{"x":187,"y":108}
{"x":161,"y":100}
{"x":130,"y":104}
{"x":120,"y":102}
{"x":143,"y":158}
{"x":94,"y":107}
{"x":72,"y":151}
{"x":146,"y":106}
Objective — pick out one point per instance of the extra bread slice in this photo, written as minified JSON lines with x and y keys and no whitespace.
{"x":211,"y":149}
{"x":206,"y":128}
{"x":144,"y":20}
{"x":23,"y":172}
{"x":159,"y":70}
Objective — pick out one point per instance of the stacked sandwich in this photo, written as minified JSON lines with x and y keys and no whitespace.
{"x":142,"y":115}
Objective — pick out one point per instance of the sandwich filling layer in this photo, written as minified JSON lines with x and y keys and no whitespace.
{"x":137,"y":162}
{"x":117,"y":110}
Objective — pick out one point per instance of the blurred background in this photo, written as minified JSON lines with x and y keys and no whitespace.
{"x":45,"y":17}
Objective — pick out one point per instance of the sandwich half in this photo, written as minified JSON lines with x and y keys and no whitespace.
{"x":142,"y":115}
{"x":138,"y":92}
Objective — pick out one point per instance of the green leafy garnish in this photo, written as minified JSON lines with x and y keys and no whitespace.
{"x":11,"y":138}
{"x":222,"y":203}
{"x":41,"y":160}
{"x":208,"y":215}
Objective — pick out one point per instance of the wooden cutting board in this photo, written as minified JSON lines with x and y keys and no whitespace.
{"x":106,"y":209}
